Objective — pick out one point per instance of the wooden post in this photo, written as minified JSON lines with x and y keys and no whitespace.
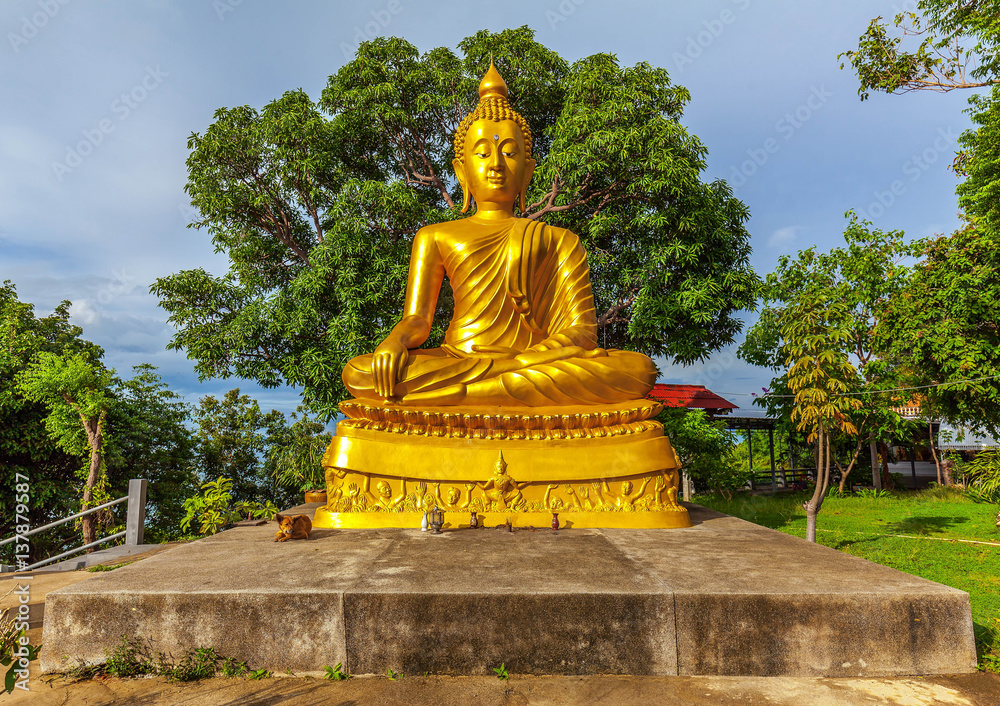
{"x":791,"y":456}
{"x":753,"y":482}
{"x":136,"y":518}
{"x":876,"y":466}
{"x":770,"y":445}
{"x":913,"y":465}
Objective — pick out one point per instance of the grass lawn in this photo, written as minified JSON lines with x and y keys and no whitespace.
{"x":904,"y":531}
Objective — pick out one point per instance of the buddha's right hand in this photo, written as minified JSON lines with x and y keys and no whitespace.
{"x":387,"y":364}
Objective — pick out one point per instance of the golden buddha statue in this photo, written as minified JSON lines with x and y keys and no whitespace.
{"x":520,"y":370}
{"x":524,"y":331}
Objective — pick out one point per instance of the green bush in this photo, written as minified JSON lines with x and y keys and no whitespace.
{"x":983,"y":476}
{"x":213,"y":509}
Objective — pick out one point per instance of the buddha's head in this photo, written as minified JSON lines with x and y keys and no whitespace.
{"x":452,"y":496}
{"x":383,"y":489}
{"x":493,"y":150}
{"x":626,"y":487}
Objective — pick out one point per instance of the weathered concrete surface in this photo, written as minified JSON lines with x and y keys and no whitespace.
{"x":722,"y":597}
{"x":772,"y":604}
{"x":542,"y":602}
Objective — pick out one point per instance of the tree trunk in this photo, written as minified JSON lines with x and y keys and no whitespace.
{"x":850,"y":466}
{"x":687,"y":487}
{"x":946,"y":466}
{"x":937,"y":462}
{"x":883,"y":452}
{"x":822,"y":483}
{"x":95,"y":431}
{"x":876,"y":471}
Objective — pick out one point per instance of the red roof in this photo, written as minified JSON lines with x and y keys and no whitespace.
{"x":690,"y":396}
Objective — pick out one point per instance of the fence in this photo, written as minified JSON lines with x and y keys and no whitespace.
{"x":135,"y":519}
{"x":784,"y":478}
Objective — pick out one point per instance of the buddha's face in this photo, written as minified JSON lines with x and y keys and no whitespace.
{"x":383,"y":489}
{"x":626,"y":487}
{"x":495,"y":167}
{"x":452,"y":496}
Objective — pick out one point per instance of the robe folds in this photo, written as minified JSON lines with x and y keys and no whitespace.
{"x":515,"y":285}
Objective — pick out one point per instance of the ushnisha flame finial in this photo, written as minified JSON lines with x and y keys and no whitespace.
{"x":493,"y":105}
{"x":492,"y":84}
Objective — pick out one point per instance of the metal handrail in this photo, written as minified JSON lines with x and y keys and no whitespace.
{"x":134,"y":522}
{"x":43,"y":562}
{"x":64,"y":521}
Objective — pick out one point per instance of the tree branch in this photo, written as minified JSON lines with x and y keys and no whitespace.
{"x":611,"y":316}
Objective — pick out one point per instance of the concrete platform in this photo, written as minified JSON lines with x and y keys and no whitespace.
{"x":725,"y":597}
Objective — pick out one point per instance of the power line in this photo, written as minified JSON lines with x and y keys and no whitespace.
{"x":867,"y":392}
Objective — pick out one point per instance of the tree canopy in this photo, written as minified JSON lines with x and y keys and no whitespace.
{"x":929,"y":50}
{"x":316,"y":204}
{"x":863,"y":278}
{"x":944,"y":323}
{"x":25,"y":445}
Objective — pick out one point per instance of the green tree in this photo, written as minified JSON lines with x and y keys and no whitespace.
{"x":75,"y":389}
{"x":149,"y":438}
{"x":942,"y":327}
{"x":316,"y":205}
{"x":819,"y":373}
{"x":929,"y":51}
{"x":234,"y":441}
{"x":864,"y":276}
{"x":296,"y":455}
{"x":703,"y":446}
{"x":26,"y":449}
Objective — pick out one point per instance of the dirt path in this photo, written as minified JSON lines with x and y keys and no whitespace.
{"x":968,"y":690}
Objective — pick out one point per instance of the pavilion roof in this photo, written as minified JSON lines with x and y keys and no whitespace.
{"x":690,"y":396}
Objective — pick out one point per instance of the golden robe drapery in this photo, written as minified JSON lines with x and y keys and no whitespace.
{"x":515,"y":285}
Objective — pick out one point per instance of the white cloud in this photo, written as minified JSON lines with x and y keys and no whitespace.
{"x":83,"y":313}
{"x":783,"y":236}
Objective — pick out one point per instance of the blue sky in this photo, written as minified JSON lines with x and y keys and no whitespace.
{"x":97,"y":222}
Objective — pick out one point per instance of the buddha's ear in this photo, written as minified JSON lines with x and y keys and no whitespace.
{"x":459,"y":168}
{"x":529,"y":170}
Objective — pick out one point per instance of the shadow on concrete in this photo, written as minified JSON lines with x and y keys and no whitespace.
{"x":924,"y":526}
{"x":700,"y":514}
